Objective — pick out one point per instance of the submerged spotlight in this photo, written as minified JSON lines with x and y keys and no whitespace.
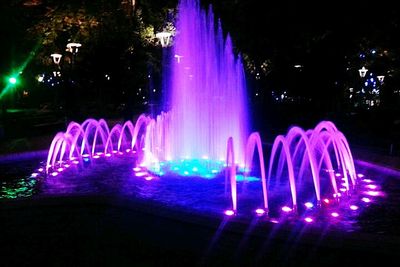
{"x":308,"y":219}
{"x":286,"y":209}
{"x":353,"y":207}
{"x":372,"y":193}
{"x":371,"y":186}
{"x":141,"y":174}
{"x":366,"y":199}
{"x":335,"y":214}
{"x":367,"y":181}
{"x":229,"y":212}
{"x":309,"y":205}
{"x":260,"y":212}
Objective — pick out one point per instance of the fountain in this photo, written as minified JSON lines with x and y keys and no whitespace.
{"x":194,"y":183}
{"x":206,"y":96}
{"x":205,"y":132}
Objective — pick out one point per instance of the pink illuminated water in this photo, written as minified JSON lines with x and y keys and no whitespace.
{"x":207,"y":92}
{"x":205,"y":130}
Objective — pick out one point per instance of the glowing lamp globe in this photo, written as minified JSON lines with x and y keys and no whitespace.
{"x":12,"y":80}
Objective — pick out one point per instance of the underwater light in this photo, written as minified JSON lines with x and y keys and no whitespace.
{"x":372,"y":193}
{"x":286,"y":209}
{"x":229,"y":213}
{"x":366,"y":199}
{"x":353,"y":207}
{"x":274,"y":221}
{"x":371,"y":186}
{"x":308,"y":219}
{"x":309,"y":205}
{"x":260,"y":212}
{"x":335,"y":214}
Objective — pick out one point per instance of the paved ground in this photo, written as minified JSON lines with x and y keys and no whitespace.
{"x":103,"y":231}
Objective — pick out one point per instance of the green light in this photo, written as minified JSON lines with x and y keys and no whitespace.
{"x":12,"y":80}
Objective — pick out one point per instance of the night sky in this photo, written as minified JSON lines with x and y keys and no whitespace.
{"x":325,"y":37}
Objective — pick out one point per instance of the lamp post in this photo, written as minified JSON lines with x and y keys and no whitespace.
{"x":56,"y":58}
{"x":165,"y":38}
{"x":363,"y":71}
{"x":73,"y":48}
{"x":68,"y":91}
{"x":362,"y":97}
{"x":71,"y":99}
{"x":56,"y":74}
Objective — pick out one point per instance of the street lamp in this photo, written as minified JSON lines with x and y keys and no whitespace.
{"x":56,"y":58}
{"x":12,"y":80}
{"x":64,"y":96}
{"x":164,"y":37}
{"x":363,"y":71}
{"x":178,"y":58}
{"x":381,"y":78}
{"x":73,"y":47}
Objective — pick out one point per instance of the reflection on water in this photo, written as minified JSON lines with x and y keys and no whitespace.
{"x":20,"y":187}
{"x":16,"y":179}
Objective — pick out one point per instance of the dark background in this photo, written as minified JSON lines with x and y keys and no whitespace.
{"x":119,"y":64}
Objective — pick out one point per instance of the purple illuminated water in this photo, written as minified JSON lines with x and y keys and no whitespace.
{"x":205,"y":134}
{"x":207,"y":93}
{"x":206,"y":129}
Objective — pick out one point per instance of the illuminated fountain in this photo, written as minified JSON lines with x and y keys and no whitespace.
{"x":205,"y":133}
{"x":206,"y":93}
{"x":323,"y":150}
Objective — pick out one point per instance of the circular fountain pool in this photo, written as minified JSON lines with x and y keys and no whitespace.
{"x":372,"y":206}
